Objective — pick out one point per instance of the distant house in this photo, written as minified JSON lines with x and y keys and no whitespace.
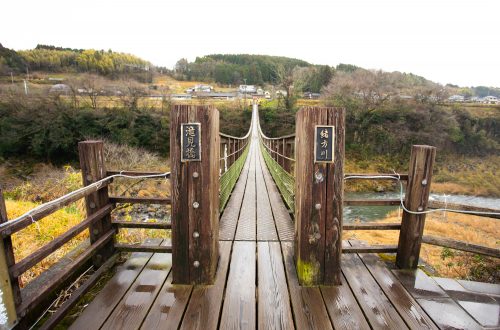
{"x":490,"y":99}
{"x":456,"y":98}
{"x":60,"y":88}
{"x":309,"y":95}
{"x":247,"y":89}
{"x":200,"y":88}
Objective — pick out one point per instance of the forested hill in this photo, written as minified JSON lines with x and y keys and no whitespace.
{"x":58,"y":59}
{"x":252,"y":69}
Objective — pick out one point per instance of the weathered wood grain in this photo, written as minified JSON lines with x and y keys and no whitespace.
{"x":461,"y":245}
{"x":416,"y":199}
{"x":308,"y":308}
{"x":204,"y":307}
{"x":134,"y":306}
{"x":274,"y":308}
{"x":378,"y":310}
{"x":247,"y":222}
{"x":266,"y":228}
{"x":96,"y":313}
{"x":343,"y":308}
{"x":239,"y":310}
{"x":93,"y":169}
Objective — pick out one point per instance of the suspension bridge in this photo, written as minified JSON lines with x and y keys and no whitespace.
{"x":256,"y":242}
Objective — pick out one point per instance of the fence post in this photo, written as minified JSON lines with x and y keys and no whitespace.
{"x":195,"y":194}
{"x":416,"y":199}
{"x":93,"y":169}
{"x":10,"y":294}
{"x":319,"y":180}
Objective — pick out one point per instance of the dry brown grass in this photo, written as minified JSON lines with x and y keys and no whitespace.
{"x":446,"y":262}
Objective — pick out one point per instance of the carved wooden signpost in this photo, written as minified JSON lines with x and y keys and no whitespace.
{"x":319,"y":179}
{"x":191,"y":142}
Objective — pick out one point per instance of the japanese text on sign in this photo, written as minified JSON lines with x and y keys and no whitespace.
{"x":324,"y":139}
{"x":190,"y":142}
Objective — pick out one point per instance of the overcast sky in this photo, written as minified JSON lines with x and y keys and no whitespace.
{"x":447,"y":41}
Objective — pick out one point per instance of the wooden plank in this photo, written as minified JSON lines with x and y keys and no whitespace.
{"x":47,"y":288}
{"x":77,"y":294}
{"x":274,"y":308}
{"x":378,"y":310}
{"x":282,"y":218}
{"x":143,"y":248}
{"x":37,"y":256}
{"x":372,"y":226}
{"x":419,"y":284}
{"x":91,"y":154}
{"x":469,"y":208}
{"x":134,"y":306}
{"x":460,"y":245}
{"x":408,"y":308}
{"x":372,"y":202}
{"x":168,"y":308}
{"x":247,"y":223}
{"x":343,"y":308}
{"x":229,"y":218}
{"x":266,"y":229}
{"x":96,"y":313}
{"x":416,"y":199}
{"x":479,"y":287}
{"x":442,"y":309}
{"x":239,"y":311}
{"x":137,"y":173}
{"x":370,"y":249}
{"x":308,"y":308}
{"x":140,"y":200}
{"x":141,"y":224}
{"x":204,"y":307}
{"x":447,"y":314}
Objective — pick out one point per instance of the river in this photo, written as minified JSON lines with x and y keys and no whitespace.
{"x":371,"y":213}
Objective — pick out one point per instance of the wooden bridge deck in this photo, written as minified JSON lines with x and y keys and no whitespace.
{"x":257,"y":286}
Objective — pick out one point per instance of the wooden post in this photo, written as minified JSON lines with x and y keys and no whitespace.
{"x":195,"y":197}
{"x":10,"y":294}
{"x":318,"y":198}
{"x":416,"y":199}
{"x":93,"y":169}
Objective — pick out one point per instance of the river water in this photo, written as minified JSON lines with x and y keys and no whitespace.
{"x":371,"y":213}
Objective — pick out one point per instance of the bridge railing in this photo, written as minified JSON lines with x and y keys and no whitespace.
{"x":102,"y":249}
{"x":233,"y":151}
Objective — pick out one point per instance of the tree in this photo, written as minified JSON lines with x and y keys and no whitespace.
{"x":92,"y":85}
{"x":284,"y":77}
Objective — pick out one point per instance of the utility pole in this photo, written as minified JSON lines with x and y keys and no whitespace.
{"x":12,"y":78}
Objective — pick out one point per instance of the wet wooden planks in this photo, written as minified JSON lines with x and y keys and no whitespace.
{"x":266,"y":229}
{"x":239,"y":310}
{"x":307,"y":303}
{"x":274,"y":308}
{"x":134,"y":306}
{"x":206,"y":300}
{"x":443,"y":310}
{"x":96,"y":313}
{"x":409,"y":310}
{"x":247,"y":223}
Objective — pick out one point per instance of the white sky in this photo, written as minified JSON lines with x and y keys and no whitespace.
{"x":447,"y":41}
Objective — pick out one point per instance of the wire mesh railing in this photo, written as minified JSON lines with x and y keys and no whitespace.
{"x":234,"y":151}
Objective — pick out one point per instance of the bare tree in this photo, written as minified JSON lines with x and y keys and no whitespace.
{"x":131,"y":93}
{"x":92,"y":85}
{"x":284,"y":77}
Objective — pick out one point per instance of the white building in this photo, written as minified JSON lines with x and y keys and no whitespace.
{"x":247,"y":89}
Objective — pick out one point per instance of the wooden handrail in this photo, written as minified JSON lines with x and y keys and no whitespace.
{"x":372,"y":226}
{"x":143,"y":248}
{"x":25,"y":220}
{"x":142,"y":224}
{"x":451,"y":207}
{"x":37,"y":256}
{"x":371,"y":202}
{"x":370,"y":249}
{"x":460,"y":245}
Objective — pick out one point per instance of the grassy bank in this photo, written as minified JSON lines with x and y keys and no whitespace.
{"x":443,"y":261}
